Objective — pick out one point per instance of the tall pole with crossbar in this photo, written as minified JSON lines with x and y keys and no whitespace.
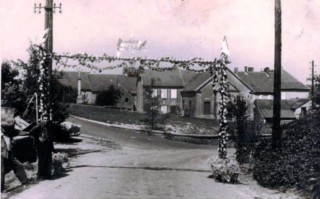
{"x":46,"y":91}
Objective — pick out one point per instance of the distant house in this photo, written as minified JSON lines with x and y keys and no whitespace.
{"x":167,"y":85}
{"x":290,"y":109}
{"x":127,"y":86}
{"x":261,"y":84}
{"x":90,"y":85}
{"x":201,"y":98}
{"x":79,"y":82}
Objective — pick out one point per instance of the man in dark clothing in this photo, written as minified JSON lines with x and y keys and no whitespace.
{"x":9,"y":161}
{"x":44,"y":147}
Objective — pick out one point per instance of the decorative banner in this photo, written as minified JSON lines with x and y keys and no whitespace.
{"x":130,"y":45}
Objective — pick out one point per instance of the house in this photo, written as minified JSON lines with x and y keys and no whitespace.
{"x":290,"y":109}
{"x":90,"y":85}
{"x":166,"y":85}
{"x":200,"y":97}
{"x":261,"y":84}
{"x":127,"y":86}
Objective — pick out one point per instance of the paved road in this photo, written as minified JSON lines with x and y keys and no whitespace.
{"x":142,"y":166}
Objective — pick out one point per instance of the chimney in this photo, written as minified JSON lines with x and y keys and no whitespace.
{"x":266,"y":69}
{"x":236,"y":70}
{"x":250,"y":69}
{"x":79,"y":84}
{"x":79,"y":99}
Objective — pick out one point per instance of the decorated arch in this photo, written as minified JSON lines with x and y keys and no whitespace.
{"x":216,"y":67}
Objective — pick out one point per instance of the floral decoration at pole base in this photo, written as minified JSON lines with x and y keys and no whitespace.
{"x":225,"y":170}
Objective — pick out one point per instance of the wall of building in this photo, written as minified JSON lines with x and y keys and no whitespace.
{"x":295,"y":94}
{"x":189,"y":103}
{"x":299,"y":111}
{"x":126,"y":101}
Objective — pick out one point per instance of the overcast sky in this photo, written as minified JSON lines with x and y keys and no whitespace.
{"x":176,"y":28}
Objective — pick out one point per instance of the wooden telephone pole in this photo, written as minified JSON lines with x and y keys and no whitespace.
{"x":49,"y":8}
{"x":276,"y":129}
{"x":312,"y":83}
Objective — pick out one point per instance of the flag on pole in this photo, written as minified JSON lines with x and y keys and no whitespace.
{"x":225,"y":48}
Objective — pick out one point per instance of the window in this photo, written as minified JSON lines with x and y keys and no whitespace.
{"x":164,"y":109}
{"x":173,"y":93}
{"x":154,"y":92}
{"x":126,"y":100}
{"x":303,"y":111}
{"x":164,"y":93}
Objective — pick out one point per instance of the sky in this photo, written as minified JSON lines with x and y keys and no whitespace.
{"x":182,"y":29}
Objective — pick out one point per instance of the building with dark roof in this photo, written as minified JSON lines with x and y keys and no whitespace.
{"x":261,"y":84}
{"x":200,"y":97}
{"x":167,"y":85}
{"x":290,"y":109}
{"x":90,"y":85}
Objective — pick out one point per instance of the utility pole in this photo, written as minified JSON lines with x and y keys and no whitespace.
{"x":312,"y":83}
{"x":276,"y":129}
{"x":45,"y":87}
{"x":48,"y":25}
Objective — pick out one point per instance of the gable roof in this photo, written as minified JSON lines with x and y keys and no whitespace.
{"x":97,"y":82}
{"x":262,"y":82}
{"x":168,"y":79}
{"x":199,"y":80}
{"x":70,"y":78}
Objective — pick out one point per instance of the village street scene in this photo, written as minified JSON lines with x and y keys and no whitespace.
{"x":160,"y":99}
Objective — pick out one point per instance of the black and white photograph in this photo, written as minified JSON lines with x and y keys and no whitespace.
{"x":160,"y":99}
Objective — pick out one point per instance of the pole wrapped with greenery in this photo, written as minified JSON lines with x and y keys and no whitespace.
{"x":220,"y":76}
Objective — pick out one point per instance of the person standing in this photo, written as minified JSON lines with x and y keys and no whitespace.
{"x":8,"y":160}
{"x":44,"y":147}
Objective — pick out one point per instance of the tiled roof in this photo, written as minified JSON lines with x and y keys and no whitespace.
{"x":98,"y":82}
{"x":196,"y":81}
{"x":70,"y":78}
{"x":167,"y":79}
{"x":287,"y":107}
{"x":262,"y":82}
{"x":187,"y":76}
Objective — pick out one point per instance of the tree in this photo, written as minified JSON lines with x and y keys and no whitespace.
{"x":30,"y":73}
{"x":243,"y":140}
{"x":316,"y":97}
{"x":152,"y":108}
{"x":11,"y":88}
{"x":109,"y":97}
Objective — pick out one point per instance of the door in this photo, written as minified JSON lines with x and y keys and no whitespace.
{"x":206,"y":108}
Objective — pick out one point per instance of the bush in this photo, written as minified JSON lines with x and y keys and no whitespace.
{"x":108,"y":97}
{"x":296,"y":161}
{"x":225,"y":170}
